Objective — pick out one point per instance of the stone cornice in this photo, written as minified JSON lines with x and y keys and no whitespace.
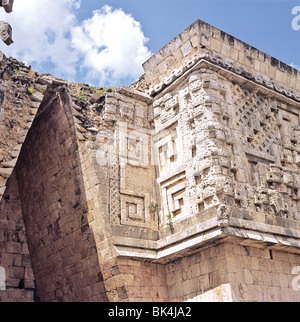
{"x":205,"y":235}
{"x":239,"y":71}
{"x":222,"y":226}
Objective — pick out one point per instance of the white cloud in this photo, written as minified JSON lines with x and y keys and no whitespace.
{"x":40,"y":29}
{"x":295,"y":66}
{"x":112,"y":45}
{"x":107,"y":48}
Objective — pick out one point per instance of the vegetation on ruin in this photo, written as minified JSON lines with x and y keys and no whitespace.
{"x":30,"y":90}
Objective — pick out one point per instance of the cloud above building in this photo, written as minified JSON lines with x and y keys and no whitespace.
{"x":107,"y":48}
{"x":295,"y":66}
{"x":111,"y":44}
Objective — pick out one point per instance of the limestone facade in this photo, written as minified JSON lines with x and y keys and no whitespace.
{"x":183,"y":187}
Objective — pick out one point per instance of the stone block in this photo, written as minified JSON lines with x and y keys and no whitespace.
{"x":7,"y":5}
{"x":6,"y":33}
{"x":13,"y":247}
{"x":16,"y":273}
{"x":5,"y":172}
{"x":37,"y":96}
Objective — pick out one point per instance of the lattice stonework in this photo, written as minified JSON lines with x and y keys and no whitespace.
{"x":257,"y":118}
{"x":267,"y":131}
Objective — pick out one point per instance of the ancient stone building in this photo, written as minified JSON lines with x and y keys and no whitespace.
{"x":183,"y":187}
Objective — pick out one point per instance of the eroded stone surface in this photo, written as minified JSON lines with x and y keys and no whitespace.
{"x":7,"y":5}
{"x":6,"y":33}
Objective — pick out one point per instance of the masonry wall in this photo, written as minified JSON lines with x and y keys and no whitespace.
{"x":200,"y":277}
{"x":120,"y":186}
{"x":17,"y":111}
{"x":231,"y":272}
{"x":201,"y":37}
{"x":261,"y":275}
{"x":14,"y":253}
{"x":144,"y":281}
{"x":61,"y":244}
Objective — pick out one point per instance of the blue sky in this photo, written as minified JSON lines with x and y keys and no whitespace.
{"x":265,"y":24}
{"x":104,"y":43}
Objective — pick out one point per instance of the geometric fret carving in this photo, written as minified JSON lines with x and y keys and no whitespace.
{"x":257,"y":118}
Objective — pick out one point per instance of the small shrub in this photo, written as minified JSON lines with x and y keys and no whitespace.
{"x":30,"y":90}
{"x":153,"y":208}
{"x":170,"y":224}
{"x":82,"y":97}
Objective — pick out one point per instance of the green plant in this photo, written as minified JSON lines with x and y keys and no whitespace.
{"x":266,"y":183}
{"x":82,"y":97}
{"x":153,"y":208}
{"x":30,"y":90}
{"x":97,"y":91}
{"x":93,"y":89}
{"x":75,"y":89}
{"x":17,"y":71}
{"x":112,"y":90}
{"x":170,"y":223}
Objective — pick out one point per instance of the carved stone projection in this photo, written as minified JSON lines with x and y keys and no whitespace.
{"x":6,"y":33}
{"x":7,"y":5}
{"x":5,"y":28}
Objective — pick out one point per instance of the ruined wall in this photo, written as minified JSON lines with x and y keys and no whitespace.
{"x":14,"y":254}
{"x":21,"y":92}
{"x":17,"y":112}
{"x":61,"y":245}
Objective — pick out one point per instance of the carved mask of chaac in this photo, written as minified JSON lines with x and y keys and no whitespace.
{"x":5,"y":28}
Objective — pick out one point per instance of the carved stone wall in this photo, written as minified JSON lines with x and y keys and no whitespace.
{"x":197,"y":144}
{"x":268,"y":141}
{"x":237,"y":145}
{"x":183,"y":187}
